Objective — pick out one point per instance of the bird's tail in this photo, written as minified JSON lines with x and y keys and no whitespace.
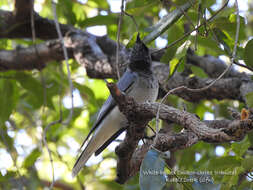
{"x":83,"y":158}
{"x":94,"y":146}
{"x":105,"y":133}
{"x":98,"y":142}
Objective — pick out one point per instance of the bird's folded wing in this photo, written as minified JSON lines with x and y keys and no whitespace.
{"x":124,"y":84}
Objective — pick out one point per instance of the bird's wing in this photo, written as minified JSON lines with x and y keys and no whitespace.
{"x":125,"y":82}
{"x":112,"y":138}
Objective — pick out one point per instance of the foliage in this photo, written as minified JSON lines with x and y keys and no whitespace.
{"x":29,"y":101}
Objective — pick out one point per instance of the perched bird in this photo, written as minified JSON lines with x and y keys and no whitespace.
{"x":138,"y":82}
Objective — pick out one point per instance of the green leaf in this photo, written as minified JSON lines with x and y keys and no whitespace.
{"x":208,"y":45}
{"x":229,"y":25}
{"x":9,"y":97}
{"x":173,"y":66}
{"x":250,"y":137}
{"x":224,"y":40}
{"x":207,"y":3}
{"x":79,"y":12}
{"x":64,"y":11}
{"x":35,"y":92}
{"x":102,"y":4}
{"x":88,"y":95}
{"x":140,"y":3}
{"x":225,"y":162}
{"x":100,"y":20}
{"x":6,"y":140}
{"x":249,"y":99}
{"x":230,"y":180}
{"x":198,"y":71}
{"x":169,"y":54}
{"x":248,"y":53}
{"x":31,"y":158}
{"x":132,"y":41}
{"x":241,"y":147}
{"x":174,"y":32}
{"x":247,"y":163}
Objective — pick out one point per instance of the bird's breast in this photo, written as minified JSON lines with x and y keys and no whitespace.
{"x":145,"y":89}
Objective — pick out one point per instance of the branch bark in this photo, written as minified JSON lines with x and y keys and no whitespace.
{"x":138,"y":115}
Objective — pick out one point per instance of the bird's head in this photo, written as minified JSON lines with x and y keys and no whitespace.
{"x":140,"y":59}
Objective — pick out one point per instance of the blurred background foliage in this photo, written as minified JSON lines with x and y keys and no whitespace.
{"x":29,"y":101}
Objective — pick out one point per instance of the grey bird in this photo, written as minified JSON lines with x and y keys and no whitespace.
{"x":138,"y":82}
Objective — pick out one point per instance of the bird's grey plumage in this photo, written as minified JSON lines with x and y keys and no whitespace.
{"x":138,"y":82}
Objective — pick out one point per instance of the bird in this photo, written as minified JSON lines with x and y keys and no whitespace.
{"x":139,"y":82}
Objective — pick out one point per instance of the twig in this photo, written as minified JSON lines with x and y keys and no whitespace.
{"x":33,"y":32}
{"x":42,"y":78}
{"x":241,"y":65}
{"x":197,"y":31}
{"x":118,"y":37}
{"x":237,"y":31}
{"x":159,"y":107}
{"x":66,"y":62}
{"x":44,"y":98}
{"x":69,"y":168}
{"x":72,"y":101}
{"x":188,"y":33}
{"x":45,"y":133}
{"x":184,"y":13}
{"x":49,"y":151}
{"x":133,"y":19}
{"x":32,"y":22}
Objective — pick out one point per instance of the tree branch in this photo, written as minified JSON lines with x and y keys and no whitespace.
{"x":228,"y":88}
{"x":138,"y":115}
{"x":33,"y":57}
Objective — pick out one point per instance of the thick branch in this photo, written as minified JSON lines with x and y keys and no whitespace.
{"x":17,"y":24}
{"x":32,"y":57}
{"x":139,"y":115}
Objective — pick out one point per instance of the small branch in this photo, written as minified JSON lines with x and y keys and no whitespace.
{"x":241,"y":65}
{"x":118,"y":37}
{"x":66,"y":57}
{"x":44,"y":138}
{"x":133,"y":19}
{"x":32,"y":22}
{"x":71,"y":88}
{"x":237,"y":31}
{"x":31,"y":57}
